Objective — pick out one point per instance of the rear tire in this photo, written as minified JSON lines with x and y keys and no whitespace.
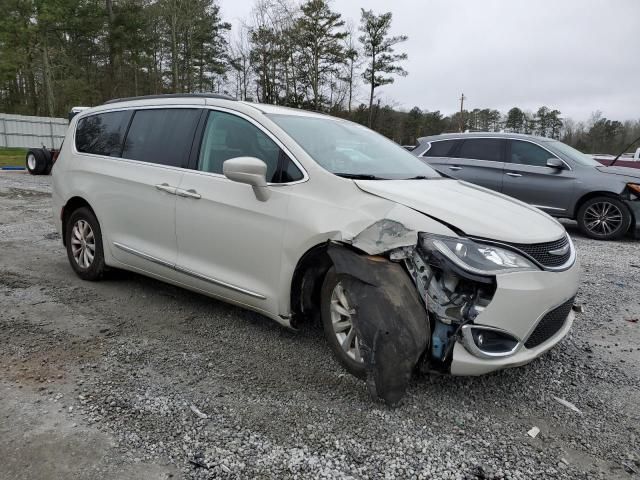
{"x":37,"y":161}
{"x":604,"y":218}
{"x":332,"y":292}
{"x":84,"y":244}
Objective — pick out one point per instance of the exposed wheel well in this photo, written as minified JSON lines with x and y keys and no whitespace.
{"x":71,"y":206}
{"x":306,"y":284}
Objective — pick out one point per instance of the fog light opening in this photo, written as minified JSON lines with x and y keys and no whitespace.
{"x":486,"y":342}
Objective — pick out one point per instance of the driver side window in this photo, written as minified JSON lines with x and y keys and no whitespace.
{"x":228,"y":136}
{"x":527,"y":153}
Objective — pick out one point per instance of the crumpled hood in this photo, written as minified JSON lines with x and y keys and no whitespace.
{"x":475,"y":210}
{"x":634,"y":173}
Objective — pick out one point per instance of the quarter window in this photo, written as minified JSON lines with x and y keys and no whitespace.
{"x":440,"y":148}
{"x":162,"y":136}
{"x":482,"y":149}
{"x":228,"y":136}
{"x":103,"y":133}
{"x":527,"y":153}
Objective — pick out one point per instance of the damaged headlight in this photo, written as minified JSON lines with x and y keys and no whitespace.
{"x":479,"y":258}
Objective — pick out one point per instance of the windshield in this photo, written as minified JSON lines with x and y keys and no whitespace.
{"x":573,"y":154}
{"x":351,"y":150}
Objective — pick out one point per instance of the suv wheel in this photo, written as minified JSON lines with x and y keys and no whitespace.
{"x":338,"y":310}
{"x":604,"y":218}
{"x":84,"y":244}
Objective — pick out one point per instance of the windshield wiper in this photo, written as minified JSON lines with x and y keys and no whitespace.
{"x":418,"y":177}
{"x":360,"y":176}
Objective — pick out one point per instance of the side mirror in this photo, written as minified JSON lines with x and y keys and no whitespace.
{"x":555,"y":163}
{"x":249,"y":170}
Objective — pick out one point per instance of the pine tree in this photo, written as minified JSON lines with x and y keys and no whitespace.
{"x":378,"y":47}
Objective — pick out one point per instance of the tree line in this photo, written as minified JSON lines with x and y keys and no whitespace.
{"x":55,"y":54}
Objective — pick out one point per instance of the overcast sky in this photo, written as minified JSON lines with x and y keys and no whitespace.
{"x":574,"y":55}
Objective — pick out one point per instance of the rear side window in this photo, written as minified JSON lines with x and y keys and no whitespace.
{"x":442,"y":148}
{"x":527,"y":153}
{"x":162,"y":136}
{"x":228,"y":136}
{"x":102,"y":134}
{"x":482,"y":149}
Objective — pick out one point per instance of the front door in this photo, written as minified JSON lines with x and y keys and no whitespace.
{"x":229,"y":242}
{"x":527,"y":178}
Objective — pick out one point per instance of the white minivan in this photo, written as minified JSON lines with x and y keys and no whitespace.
{"x":299,"y":215}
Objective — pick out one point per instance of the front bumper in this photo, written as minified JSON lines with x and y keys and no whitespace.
{"x":464,"y":363}
{"x":521,"y":300}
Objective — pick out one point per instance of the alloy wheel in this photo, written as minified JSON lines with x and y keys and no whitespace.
{"x":342,"y":320}
{"x":83,"y":243}
{"x":603,"y":218}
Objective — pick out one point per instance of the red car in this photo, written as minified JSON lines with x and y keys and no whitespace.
{"x":626,"y":159}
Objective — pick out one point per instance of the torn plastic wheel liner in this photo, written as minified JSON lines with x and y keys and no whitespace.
{"x":390,"y":320}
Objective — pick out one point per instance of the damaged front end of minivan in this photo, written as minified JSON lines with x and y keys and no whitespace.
{"x":416,"y":296}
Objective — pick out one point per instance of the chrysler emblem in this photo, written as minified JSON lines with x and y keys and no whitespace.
{"x":560,"y":251}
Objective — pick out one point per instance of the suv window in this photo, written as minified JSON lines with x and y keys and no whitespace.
{"x":228,"y":136}
{"x":528,"y":153}
{"x":482,"y":149}
{"x":163,"y":136}
{"x":440,"y":148}
{"x":102,"y":134}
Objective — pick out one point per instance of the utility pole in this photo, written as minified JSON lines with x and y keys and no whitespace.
{"x":462,"y":99}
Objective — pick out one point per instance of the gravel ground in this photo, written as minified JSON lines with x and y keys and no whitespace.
{"x":101,"y":380}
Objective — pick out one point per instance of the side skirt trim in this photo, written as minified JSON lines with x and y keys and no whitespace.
{"x":186,"y":271}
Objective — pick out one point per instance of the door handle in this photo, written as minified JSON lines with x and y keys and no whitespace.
{"x":456,"y":168}
{"x":511,"y":174}
{"x":191,"y":193}
{"x":165,"y":187}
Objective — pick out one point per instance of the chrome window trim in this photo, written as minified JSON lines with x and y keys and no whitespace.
{"x":75,"y":151}
{"x":186,"y":271}
{"x":305,"y":175}
{"x":499,"y":138}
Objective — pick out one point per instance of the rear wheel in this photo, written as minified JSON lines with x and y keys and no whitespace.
{"x":604,"y":218}
{"x":338,"y":310}
{"x":37,"y":161}
{"x":84,"y":244}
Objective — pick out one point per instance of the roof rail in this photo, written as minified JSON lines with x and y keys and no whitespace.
{"x":172,"y":95}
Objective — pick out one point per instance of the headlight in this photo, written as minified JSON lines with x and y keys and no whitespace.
{"x":479,"y":258}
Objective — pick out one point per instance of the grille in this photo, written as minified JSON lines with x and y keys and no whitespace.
{"x":549,"y":325}
{"x":540,"y":252}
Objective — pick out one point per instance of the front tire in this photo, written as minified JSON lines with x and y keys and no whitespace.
{"x":337,"y":310}
{"x":604,"y":218}
{"x":84,"y":244}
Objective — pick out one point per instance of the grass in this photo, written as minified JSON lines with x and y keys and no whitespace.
{"x":12,"y":157}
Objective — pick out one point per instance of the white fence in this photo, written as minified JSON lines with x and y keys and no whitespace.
{"x":24,"y":131}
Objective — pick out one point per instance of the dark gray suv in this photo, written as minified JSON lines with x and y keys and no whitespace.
{"x":545,"y":173}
